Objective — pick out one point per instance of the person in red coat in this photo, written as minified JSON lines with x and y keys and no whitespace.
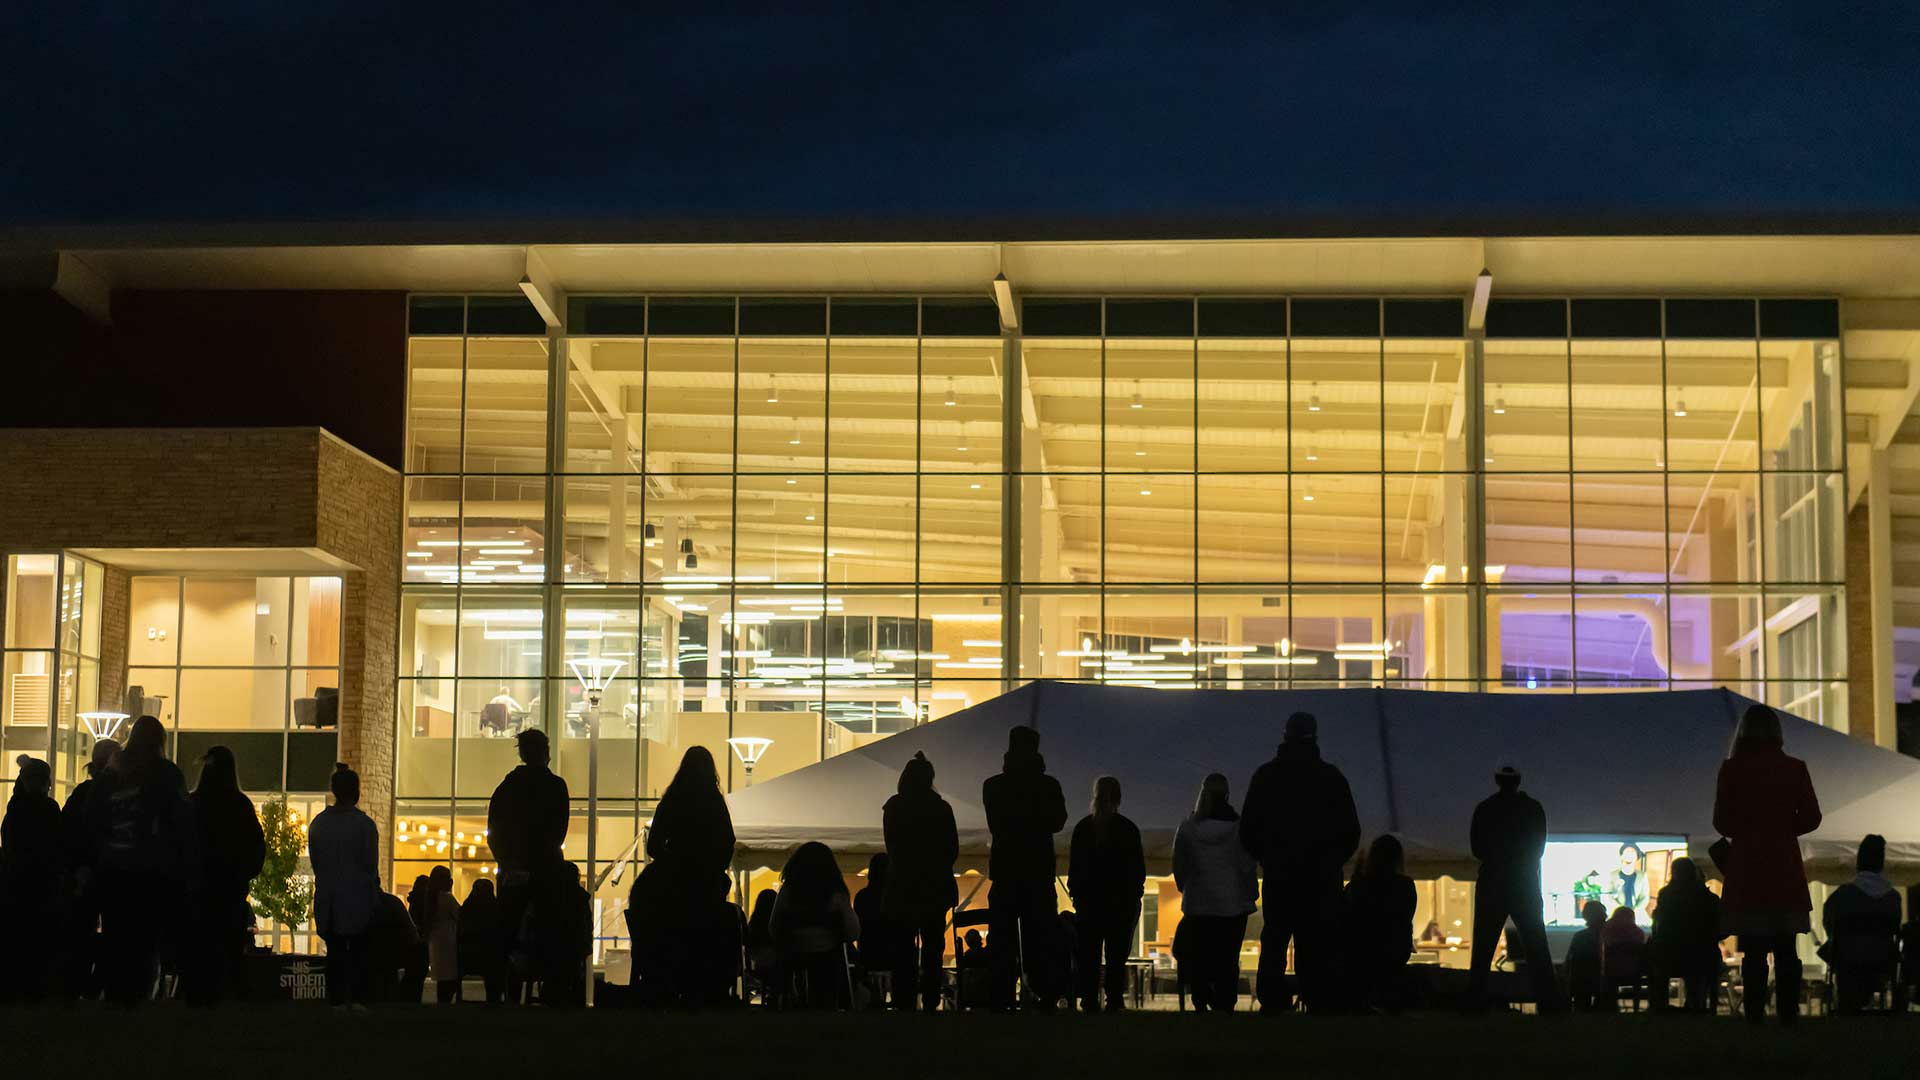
{"x":1763,"y":805}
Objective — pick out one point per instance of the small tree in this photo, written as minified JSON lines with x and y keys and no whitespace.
{"x":283,"y":893}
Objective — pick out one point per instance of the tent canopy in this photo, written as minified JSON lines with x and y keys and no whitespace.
{"x":1634,"y":764}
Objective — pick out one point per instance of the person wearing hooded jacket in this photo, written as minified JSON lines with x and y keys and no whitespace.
{"x":922,"y":845}
{"x":1863,"y":929}
{"x":1106,"y":875}
{"x":1763,"y":803}
{"x":1685,"y":940}
{"x":232,"y":850}
{"x":1218,"y":882}
{"x":1300,"y":822}
{"x":343,"y":847}
{"x":32,"y":873}
{"x":144,"y":844}
{"x":1025,"y":808}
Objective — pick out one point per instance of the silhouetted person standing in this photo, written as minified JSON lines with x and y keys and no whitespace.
{"x":1106,"y":873}
{"x":1763,"y":804}
{"x":1218,"y":882}
{"x":676,"y":906}
{"x":1299,"y":821}
{"x":144,"y":842}
{"x":1509,"y":836}
{"x":881,"y":939}
{"x":443,"y":936}
{"x":413,"y":975}
{"x":1685,"y":942}
{"x":80,"y":967}
{"x":526,"y":828}
{"x":1025,"y":808}
{"x":1863,"y":929}
{"x":1377,"y":925}
{"x":344,"y":849}
{"x":481,"y":954}
{"x":32,"y":874}
{"x":922,"y":845}
{"x":232,"y":850}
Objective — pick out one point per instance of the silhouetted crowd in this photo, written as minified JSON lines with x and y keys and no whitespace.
{"x":137,"y":878}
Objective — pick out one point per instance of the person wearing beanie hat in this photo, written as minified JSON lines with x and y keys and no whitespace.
{"x":923,"y":843}
{"x":1300,"y":822}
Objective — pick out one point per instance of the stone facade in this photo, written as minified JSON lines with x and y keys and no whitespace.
{"x":297,"y":489}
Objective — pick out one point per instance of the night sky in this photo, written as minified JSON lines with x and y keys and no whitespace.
{"x":316,"y":112}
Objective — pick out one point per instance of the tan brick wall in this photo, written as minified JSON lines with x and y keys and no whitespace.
{"x":116,"y":598}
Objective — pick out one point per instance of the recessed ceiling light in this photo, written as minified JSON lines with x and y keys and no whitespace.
{"x":1146,"y":491}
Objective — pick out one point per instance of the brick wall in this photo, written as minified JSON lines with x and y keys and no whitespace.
{"x":116,"y":601}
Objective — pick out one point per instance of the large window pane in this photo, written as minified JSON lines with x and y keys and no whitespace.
{"x":314,"y":635}
{"x":1619,"y":526}
{"x":1529,"y":527}
{"x":1525,"y":407}
{"x":960,"y":405}
{"x":1148,"y":639}
{"x":1243,"y":528}
{"x":1801,"y":424}
{"x":872,"y":407}
{"x":692,"y":517}
{"x":1427,"y":523}
{"x":959,"y":528}
{"x":1711,"y":520}
{"x":1530,"y":640}
{"x":153,"y":620}
{"x":1336,"y":404}
{"x":781,"y":532}
{"x":871,"y":523}
{"x":433,"y":404}
{"x":1242,"y":409}
{"x":1253,"y":637}
{"x":605,"y":534}
{"x":500,"y":634}
{"x":782,"y":405}
{"x":1063,"y":375}
{"x":1422,"y":380}
{"x":1713,"y":405}
{"x":1336,"y":528}
{"x":606,"y":401}
{"x":226,"y":698}
{"x":432,"y":538}
{"x":1619,"y":415}
{"x":234,"y":621}
{"x":1427,"y":632}
{"x":1619,"y":639}
{"x":1804,"y":541}
{"x":1149,"y":527}
{"x":31,"y":588}
{"x":1060,"y":518}
{"x":1148,"y":404}
{"x":1714,"y":635}
{"x":1338,"y":638}
{"x":689,"y":404}
{"x":503,"y":521}
{"x":506,"y":405}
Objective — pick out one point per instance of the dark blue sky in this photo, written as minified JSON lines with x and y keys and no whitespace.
{"x":304,"y":112}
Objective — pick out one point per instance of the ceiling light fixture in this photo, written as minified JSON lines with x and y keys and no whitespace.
{"x":647,"y":531}
{"x":1499,"y":405}
{"x":1313,"y":400}
{"x":773,"y":391}
{"x":1135,"y":403}
{"x":951,"y":399}
{"x":1680,"y":403}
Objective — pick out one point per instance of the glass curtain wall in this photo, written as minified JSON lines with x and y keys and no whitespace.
{"x":50,"y":666}
{"x":816,"y":521}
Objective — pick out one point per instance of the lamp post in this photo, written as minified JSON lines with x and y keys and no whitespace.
{"x":595,"y":674}
{"x":103,"y":724}
{"x":749,"y":749}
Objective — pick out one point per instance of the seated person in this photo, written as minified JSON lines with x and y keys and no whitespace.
{"x":880,"y":937}
{"x":1433,"y":935}
{"x":1377,"y":925}
{"x":971,"y":969}
{"x":1584,"y":981}
{"x":391,"y":944}
{"x":1863,"y":925}
{"x":1686,"y":937}
{"x":565,"y":932}
{"x":1623,"y":952}
{"x":813,"y":922}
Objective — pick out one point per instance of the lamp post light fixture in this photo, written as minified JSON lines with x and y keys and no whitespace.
{"x":595,"y":674}
{"x":103,"y":724}
{"x":749,"y":749}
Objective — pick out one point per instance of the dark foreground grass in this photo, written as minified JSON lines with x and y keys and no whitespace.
{"x":467,"y":1043}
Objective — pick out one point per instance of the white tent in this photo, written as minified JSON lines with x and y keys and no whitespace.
{"x":1631,"y":764}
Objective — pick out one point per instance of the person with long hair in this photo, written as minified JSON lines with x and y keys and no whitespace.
{"x":443,"y":936}
{"x":1219,"y":883}
{"x":479,"y":941}
{"x":676,"y":908}
{"x":813,"y":921}
{"x":344,"y":849}
{"x":144,"y":839}
{"x":31,"y":876}
{"x":232,"y":850}
{"x":1685,"y":942}
{"x":1378,"y":911}
{"x":1763,"y":803}
{"x":923,"y":843}
{"x":1106,"y":875}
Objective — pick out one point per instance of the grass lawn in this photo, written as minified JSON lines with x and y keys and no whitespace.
{"x":470,"y":1043}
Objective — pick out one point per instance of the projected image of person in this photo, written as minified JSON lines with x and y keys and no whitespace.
{"x":1626,"y":884}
